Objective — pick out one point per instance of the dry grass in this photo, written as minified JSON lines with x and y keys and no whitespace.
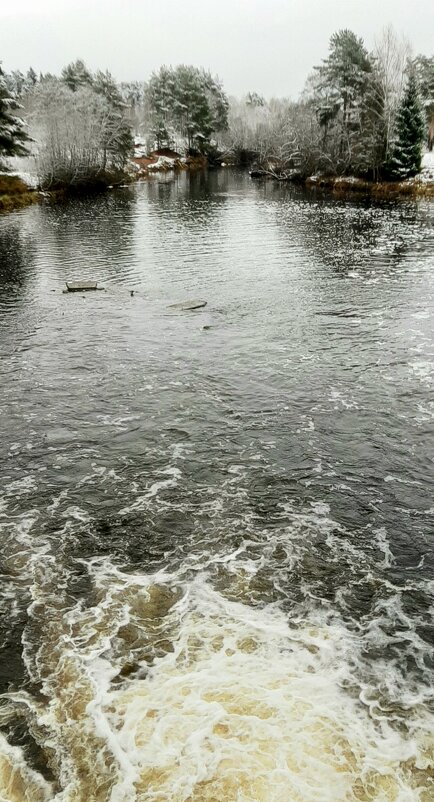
{"x":14,"y":193}
{"x":10,"y":202}
{"x":12,"y":185}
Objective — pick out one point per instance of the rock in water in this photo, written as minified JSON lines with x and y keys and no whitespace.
{"x":186,"y":306}
{"x":81,"y":286}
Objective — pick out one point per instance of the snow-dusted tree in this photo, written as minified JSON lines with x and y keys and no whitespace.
{"x":424,"y":69}
{"x":161,"y":94}
{"x":343,"y":76}
{"x":186,"y":102}
{"x":18,"y":83}
{"x":13,"y":137}
{"x":134,"y":95}
{"x":81,"y":138}
{"x":15,"y":82}
{"x":118,"y":146}
{"x":245,"y":122}
{"x":391,"y":55}
{"x":406,"y":157}
{"x":253,"y":99}
{"x":76,"y":74}
{"x":309,"y":155}
{"x":31,"y":77}
{"x":340,"y":89}
{"x":281,"y":138}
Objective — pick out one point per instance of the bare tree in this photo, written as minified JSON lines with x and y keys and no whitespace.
{"x":78,"y":133}
{"x":392,"y":55}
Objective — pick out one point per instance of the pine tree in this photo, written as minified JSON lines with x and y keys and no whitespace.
{"x":119,"y":140}
{"x":187,"y":102}
{"x":341,"y":90}
{"x":254,"y":99}
{"x":406,"y":156}
{"x":31,"y":77}
{"x":12,"y":134}
{"x":344,"y":76}
{"x":76,"y":74}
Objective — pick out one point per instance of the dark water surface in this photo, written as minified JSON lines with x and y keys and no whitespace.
{"x":217,"y":526}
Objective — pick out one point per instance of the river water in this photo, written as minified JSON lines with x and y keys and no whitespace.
{"x":217,"y":526}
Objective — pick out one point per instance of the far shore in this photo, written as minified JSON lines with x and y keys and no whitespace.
{"x":17,"y":193}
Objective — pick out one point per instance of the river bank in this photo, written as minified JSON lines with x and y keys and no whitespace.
{"x":417,"y":186}
{"x":20,"y":190}
{"x":16,"y":193}
{"x":421,"y":184}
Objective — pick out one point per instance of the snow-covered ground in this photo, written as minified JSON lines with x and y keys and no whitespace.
{"x":23,"y":168}
{"x":428,"y":160}
{"x":164,"y":163}
{"x":140,"y":147}
{"x":29,"y":178}
{"x":427,"y":173}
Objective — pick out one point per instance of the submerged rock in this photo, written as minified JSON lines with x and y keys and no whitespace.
{"x":186,"y":306}
{"x":81,"y":286}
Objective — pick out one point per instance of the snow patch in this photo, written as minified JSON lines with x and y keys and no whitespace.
{"x":163,"y":163}
{"x":28,"y":178}
{"x":427,"y":173}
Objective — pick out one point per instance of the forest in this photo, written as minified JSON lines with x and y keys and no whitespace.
{"x":362,"y":113}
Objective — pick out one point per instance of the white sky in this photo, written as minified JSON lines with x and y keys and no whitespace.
{"x":251,"y":44}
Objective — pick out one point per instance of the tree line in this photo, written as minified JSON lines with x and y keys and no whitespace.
{"x":361,"y":113}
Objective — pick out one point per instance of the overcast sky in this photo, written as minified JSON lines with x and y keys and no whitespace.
{"x":263,"y":45}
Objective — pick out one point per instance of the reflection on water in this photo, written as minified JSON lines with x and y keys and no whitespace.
{"x":16,"y":259}
{"x":216,"y":527}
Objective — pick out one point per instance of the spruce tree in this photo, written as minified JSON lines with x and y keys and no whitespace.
{"x":12,"y":134}
{"x":406,"y":159}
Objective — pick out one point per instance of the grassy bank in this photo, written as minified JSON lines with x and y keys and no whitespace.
{"x":15,"y":194}
{"x":414,"y":187}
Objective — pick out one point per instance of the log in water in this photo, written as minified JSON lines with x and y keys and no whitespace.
{"x":217,"y":571}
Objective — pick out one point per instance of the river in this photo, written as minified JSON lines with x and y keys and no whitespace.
{"x":217,"y":526}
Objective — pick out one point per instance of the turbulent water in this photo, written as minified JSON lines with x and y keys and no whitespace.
{"x":217,"y":526}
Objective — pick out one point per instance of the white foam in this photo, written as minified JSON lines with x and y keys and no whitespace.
{"x":226,"y":701}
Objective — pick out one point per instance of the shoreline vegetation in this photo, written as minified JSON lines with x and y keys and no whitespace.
{"x":361,"y":125}
{"x":16,"y":194}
